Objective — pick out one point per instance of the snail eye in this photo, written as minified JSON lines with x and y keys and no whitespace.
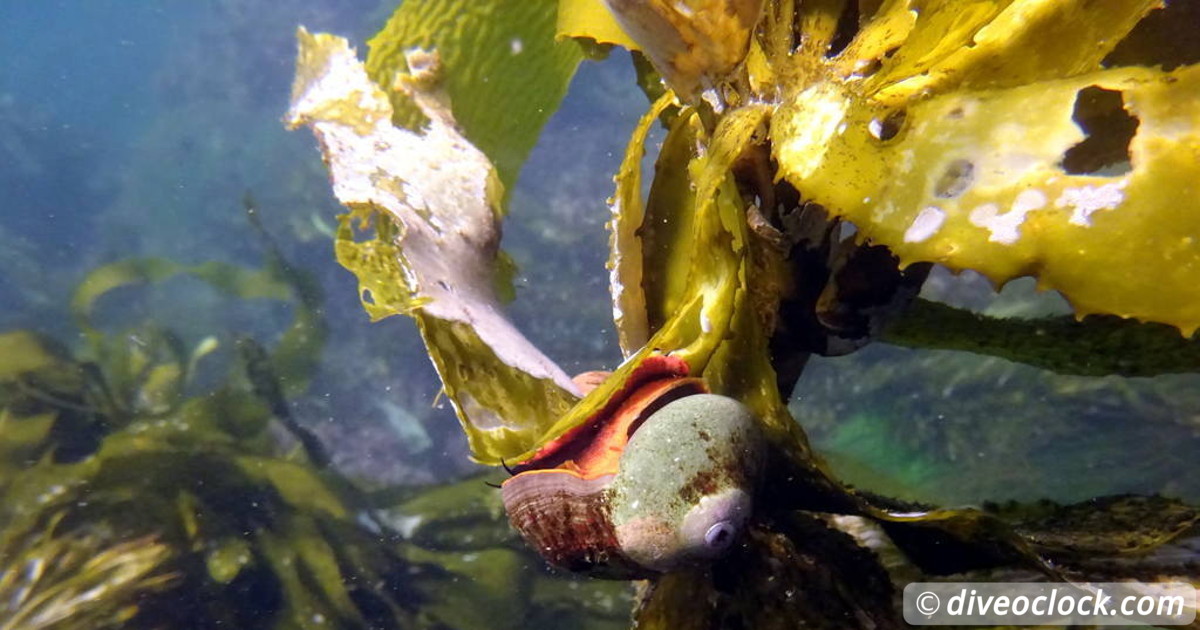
{"x":720,"y":536}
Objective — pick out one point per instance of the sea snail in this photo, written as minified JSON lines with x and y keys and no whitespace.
{"x":666,"y":483}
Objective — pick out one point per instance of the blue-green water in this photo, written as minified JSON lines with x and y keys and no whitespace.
{"x":136,"y":129}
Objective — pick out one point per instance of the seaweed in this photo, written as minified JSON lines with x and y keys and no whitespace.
{"x":819,"y":159}
{"x":501,"y":100}
{"x":132,"y":499}
{"x":1098,"y":346}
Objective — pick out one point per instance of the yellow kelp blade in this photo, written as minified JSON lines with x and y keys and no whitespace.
{"x":718,"y":244}
{"x":625,"y":240}
{"x":24,"y":351}
{"x":1007,"y":183}
{"x":712,"y":325}
{"x":669,"y":221}
{"x":591,"y":19}
{"x":705,"y":313}
{"x":996,"y":43}
{"x":434,"y":199}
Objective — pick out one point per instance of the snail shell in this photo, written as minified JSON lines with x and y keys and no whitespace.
{"x":682,"y":492}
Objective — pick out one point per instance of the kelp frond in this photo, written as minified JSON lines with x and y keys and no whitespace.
{"x":52,"y":580}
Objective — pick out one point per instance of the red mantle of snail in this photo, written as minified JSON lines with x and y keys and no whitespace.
{"x":593,"y":449}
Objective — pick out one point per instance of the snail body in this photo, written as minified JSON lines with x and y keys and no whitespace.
{"x":667,"y":482}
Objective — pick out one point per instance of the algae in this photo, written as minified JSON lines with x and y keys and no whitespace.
{"x":819,"y":158}
{"x":504,"y":71}
{"x":1096,"y":346}
{"x":147,"y":503}
{"x":134,"y":499}
{"x":437,"y":194}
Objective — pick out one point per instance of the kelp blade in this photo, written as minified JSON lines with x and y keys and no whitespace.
{"x":505,"y":71}
{"x":625,"y":264}
{"x":591,"y":19}
{"x":434,"y":201}
{"x":1017,"y":155}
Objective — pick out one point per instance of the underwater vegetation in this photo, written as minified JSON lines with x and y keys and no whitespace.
{"x":144,"y":489}
{"x":819,"y":158}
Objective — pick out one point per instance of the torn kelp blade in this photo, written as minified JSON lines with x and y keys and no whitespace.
{"x":948,"y":183}
{"x":433,"y":201}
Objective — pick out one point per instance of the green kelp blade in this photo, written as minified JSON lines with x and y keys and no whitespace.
{"x":509,"y":406}
{"x":23,"y":440}
{"x":482,"y":590}
{"x":434,"y":202}
{"x":717,"y":245}
{"x":1111,"y":538}
{"x":23,"y":351}
{"x":956,"y":540}
{"x":1005,"y":182}
{"x":267,"y":385}
{"x":1104,"y":528}
{"x":301,"y":485}
{"x":464,"y":516}
{"x":505,"y":73}
{"x":1096,"y":346}
{"x":705,"y":312}
{"x":293,"y":357}
{"x":720,"y":325}
{"x":37,"y":381}
{"x":232,"y":279}
{"x":312,"y":583}
{"x":198,"y":489}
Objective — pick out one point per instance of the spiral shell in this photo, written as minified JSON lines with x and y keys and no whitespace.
{"x":682,"y":491}
{"x":686,"y":483}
